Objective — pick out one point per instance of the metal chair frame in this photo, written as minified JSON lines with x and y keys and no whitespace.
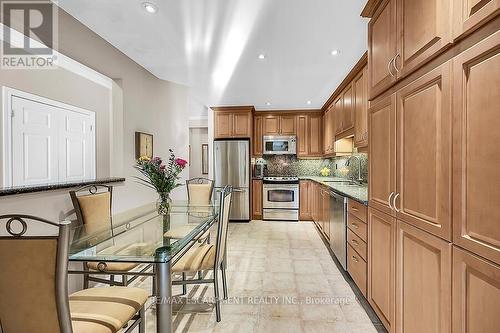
{"x":61,"y":276}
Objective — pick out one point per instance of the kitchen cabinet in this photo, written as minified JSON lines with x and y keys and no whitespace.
{"x":304,"y":202}
{"x":403,"y":35}
{"x":347,"y":109}
{"x":382,"y":161}
{"x":471,"y":14}
{"x":476,"y":188}
{"x":315,"y":136}
{"x":232,"y":122}
{"x":476,"y":293}
{"x":279,"y":125}
{"x":258,"y":127}
{"x":410,"y":174}
{"x":339,"y":116}
{"x":360,"y":109}
{"x":329,"y":131}
{"x":423,"y":157}
{"x":423,"y":274}
{"x":257,"y":199}
{"x":302,"y":136}
{"x":356,"y":267}
{"x":381,"y":265}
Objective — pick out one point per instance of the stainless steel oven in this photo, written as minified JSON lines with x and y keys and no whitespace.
{"x":279,"y":145}
{"x":280,"y":198}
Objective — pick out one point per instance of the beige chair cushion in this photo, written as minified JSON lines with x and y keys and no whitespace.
{"x":96,"y":211}
{"x":199,"y":193}
{"x":113,"y":267}
{"x":181,"y":232}
{"x":196,"y":259}
{"x":105,"y":309}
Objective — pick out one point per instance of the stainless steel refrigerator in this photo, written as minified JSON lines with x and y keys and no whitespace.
{"x":232,"y":167}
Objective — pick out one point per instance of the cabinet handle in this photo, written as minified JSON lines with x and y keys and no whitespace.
{"x":355,"y":242}
{"x":394,"y":63}
{"x":355,"y":259}
{"x":354,"y":209}
{"x":389,"y":67}
{"x":394,"y":202}
{"x":355,"y":226}
{"x":389,"y":201}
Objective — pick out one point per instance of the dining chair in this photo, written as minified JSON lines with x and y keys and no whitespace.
{"x":208,"y":256}
{"x":92,"y":205}
{"x":34,"y":286}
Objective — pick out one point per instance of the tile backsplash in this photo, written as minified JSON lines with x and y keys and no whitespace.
{"x":286,"y":165}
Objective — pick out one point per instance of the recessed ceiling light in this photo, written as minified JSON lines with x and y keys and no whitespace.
{"x":150,"y":7}
{"x":268,"y":103}
{"x":335,"y":52}
{"x":262,"y":56}
{"x":308,"y":102}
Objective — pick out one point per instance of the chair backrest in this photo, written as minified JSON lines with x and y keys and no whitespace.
{"x":199,"y":190}
{"x":33,"y":277}
{"x":225,"y":206}
{"x":92,"y":205}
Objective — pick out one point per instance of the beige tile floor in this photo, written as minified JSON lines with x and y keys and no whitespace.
{"x":281,"y":278}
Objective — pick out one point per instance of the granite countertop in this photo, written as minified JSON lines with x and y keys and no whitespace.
{"x":4,"y":191}
{"x":356,"y":192}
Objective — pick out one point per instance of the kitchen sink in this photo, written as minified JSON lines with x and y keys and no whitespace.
{"x":342,"y":183}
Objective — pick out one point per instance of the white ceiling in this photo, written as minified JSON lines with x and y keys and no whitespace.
{"x":213,"y":46}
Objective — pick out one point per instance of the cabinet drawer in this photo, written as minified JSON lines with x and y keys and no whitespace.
{"x":356,"y":266}
{"x":357,"y":226}
{"x":357,"y":243}
{"x":358,"y":210}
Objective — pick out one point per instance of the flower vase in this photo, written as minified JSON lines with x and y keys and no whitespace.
{"x":163,"y":204}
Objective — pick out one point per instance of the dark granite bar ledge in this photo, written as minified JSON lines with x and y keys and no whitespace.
{"x":4,"y":191}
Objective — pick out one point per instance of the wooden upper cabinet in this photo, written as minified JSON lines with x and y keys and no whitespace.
{"x":257,"y":198}
{"x":287,"y":125}
{"x":271,"y":125}
{"x":382,"y":47}
{"x":423,"y":155}
{"x":424,"y":28}
{"x":302,"y":136}
{"x":382,"y":161}
{"x":381,"y":265}
{"x":476,"y":294}
{"x":476,"y":134}
{"x":338,"y":113}
{"x":360,"y":109}
{"x":233,"y":122}
{"x":242,"y":124}
{"x":315,"y":135}
{"x":327,"y":131}
{"x":223,"y":124}
{"x":471,"y":14}
{"x":423,"y":274}
{"x":347,"y":110}
{"x":258,"y":128}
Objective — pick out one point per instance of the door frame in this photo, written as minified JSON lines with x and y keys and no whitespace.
{"x":7,"y":94}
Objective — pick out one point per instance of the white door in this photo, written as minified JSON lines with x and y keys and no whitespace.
{"x":50,"y":143}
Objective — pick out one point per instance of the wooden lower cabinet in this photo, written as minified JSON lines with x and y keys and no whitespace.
{"x":356,"y":266}
{"x":304,"y":202}
{"x":381,"y":265}
{"x":423,"y":281}
{"x":256,"y":199}
{"x":476,"y":294}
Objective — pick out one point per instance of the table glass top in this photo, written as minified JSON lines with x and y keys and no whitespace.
{"x":142,"y":235}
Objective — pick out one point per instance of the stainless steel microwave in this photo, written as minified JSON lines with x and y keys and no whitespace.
{"x":279,"y":145}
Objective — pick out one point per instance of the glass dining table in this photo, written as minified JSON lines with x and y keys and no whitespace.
{"x":139,"y":237}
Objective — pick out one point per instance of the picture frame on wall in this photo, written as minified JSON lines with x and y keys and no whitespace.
{"x":143,"y":145}
{"x":204,"y":159}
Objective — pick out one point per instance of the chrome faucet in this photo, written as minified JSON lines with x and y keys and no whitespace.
{"x":360,"y":180}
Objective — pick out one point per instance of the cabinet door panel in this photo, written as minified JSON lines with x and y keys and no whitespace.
{"x":348,"y":119}
{"x":476,"y":293}
{"x":360,"y":109}
{"x":471,"y":14}
{"x":287,"y":125}
{"x":423,"y":273}
{"x":424,"y":152}
{"x":257,"y":198}
{"x":381,"y":265}
{"x":425,"y":29}
{"x":271,"y":125}
{"x":257,"y":136}
{"x":302,"y":136}
{"x":476,"y":189}
{"x":339,"y":116}
{"x":382,"y":161}
{"x":223,"y":124}
{"x":315,"y":135}
{"x":242,"y":127}
{"x":304,"y":209}
{"x":382,"y":47}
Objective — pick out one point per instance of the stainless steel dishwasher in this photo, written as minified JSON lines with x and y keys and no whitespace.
{"x":338,"y":227}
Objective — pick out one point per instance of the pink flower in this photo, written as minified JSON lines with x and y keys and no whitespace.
{"x":180,"y":162}
{"x":156,"y":160}
{"x":162,"y":167}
